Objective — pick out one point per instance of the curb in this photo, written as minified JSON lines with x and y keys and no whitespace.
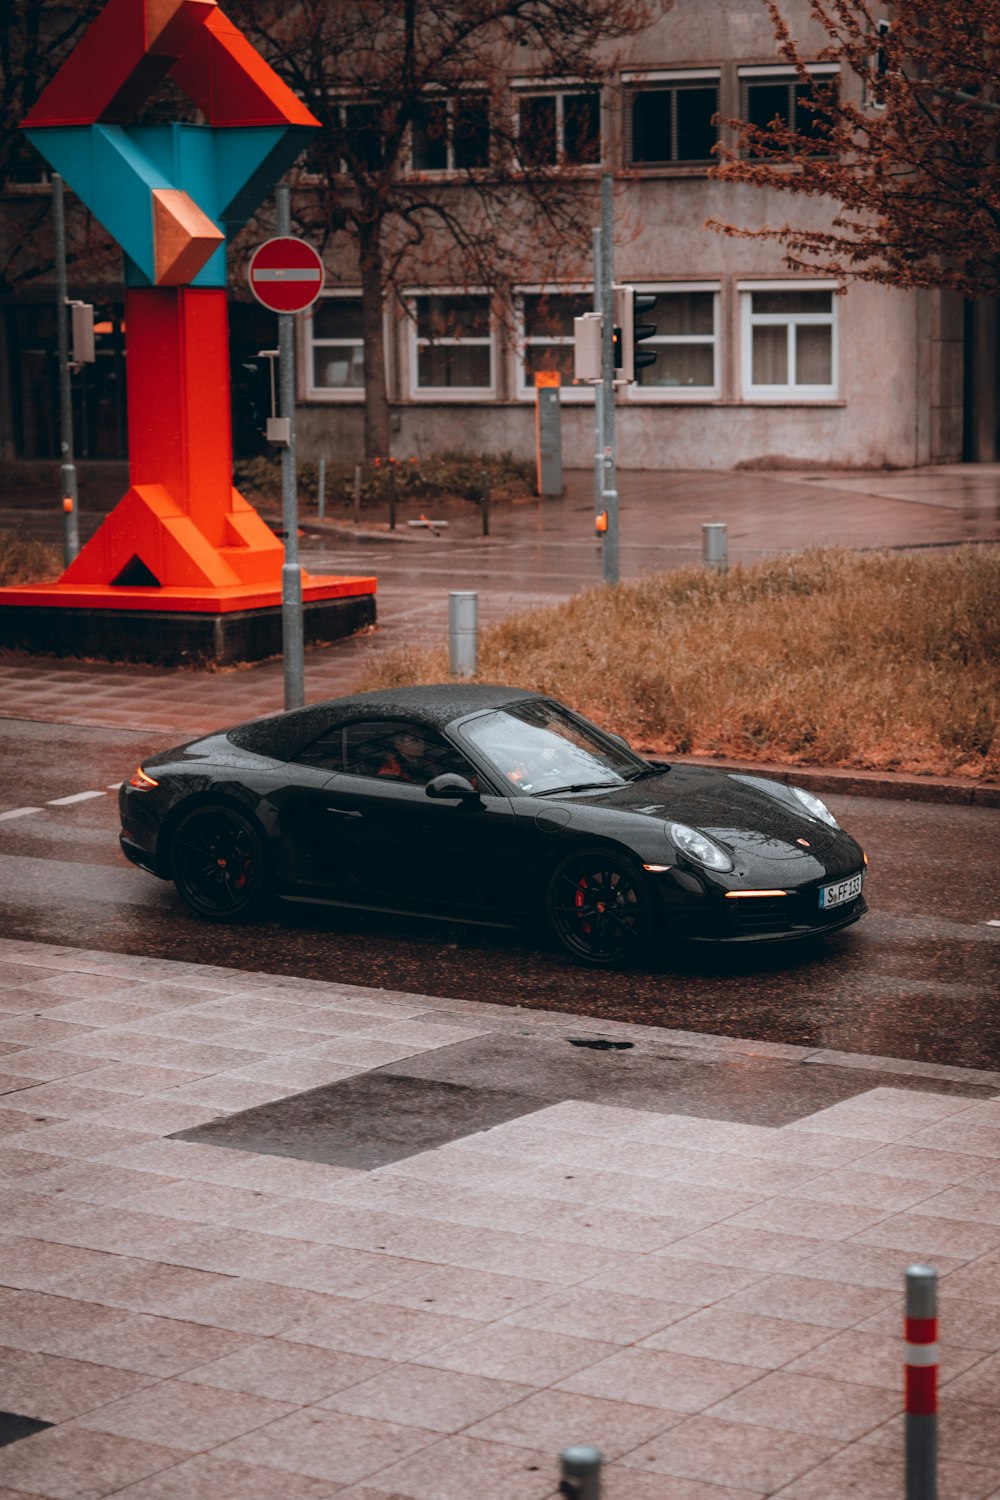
{"x":349,"y":533}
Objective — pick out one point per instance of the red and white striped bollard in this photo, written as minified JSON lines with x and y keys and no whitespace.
{"x":921,"y":1383}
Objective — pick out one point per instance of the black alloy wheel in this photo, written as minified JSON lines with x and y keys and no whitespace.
{"x":218,"y":865}
{"x":598,"y":907}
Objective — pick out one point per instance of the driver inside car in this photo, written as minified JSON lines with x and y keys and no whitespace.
{"x":409,"y":759}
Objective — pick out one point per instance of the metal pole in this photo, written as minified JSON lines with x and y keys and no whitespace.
{"x":67,"y":472}
{"x":291,"y":573}
{"x":580,"y":1469}
{"x":609,"y":488}
{"x":921,"y":1369}
{"x":598,"y":389}
{"x":357,"y":492}
{"x":463,"y":633}
{"x":321,"y":488}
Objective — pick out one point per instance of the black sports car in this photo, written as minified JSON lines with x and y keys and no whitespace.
{"x":493,"y":805}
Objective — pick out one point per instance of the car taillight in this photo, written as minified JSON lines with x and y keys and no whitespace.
{"x":141,"y":781}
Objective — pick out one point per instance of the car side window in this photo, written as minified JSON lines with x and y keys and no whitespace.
{"x":400,"y":751}
{"x":325,"y":752}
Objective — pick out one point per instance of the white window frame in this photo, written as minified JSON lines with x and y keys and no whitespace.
{"x":523,"y":391}
{"x":750,"y":320}
{"x":682,"y":393}
{"x":438,"y":393}
{"x":449,"y":99}
{"x":636,"y":82}
{"x":314,"y":392}
{"x":544,"y":88}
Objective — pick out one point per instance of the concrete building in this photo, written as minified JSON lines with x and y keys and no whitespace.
{"x":756,"y":367}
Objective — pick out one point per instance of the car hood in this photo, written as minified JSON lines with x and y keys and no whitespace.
{"x":749,"y":813}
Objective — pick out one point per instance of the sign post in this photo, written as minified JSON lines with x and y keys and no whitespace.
{"x":286,"y":275}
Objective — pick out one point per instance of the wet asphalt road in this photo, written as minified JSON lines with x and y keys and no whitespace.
{"x":918,"y":978}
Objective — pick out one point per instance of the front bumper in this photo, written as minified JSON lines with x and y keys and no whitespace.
{"x":695,"y":909}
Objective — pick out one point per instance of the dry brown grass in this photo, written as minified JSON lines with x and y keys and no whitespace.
{"x":887,"y":660}
{"x":27,"y":562}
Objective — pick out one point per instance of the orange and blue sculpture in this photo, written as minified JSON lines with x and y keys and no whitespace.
{"x":182,"y":539}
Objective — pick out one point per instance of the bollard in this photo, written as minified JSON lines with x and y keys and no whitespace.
{"x":357,"y":492}
{"x":390,"y":490}
{"x":921,"y":1370}
{"x":463,"y":633}
{"x":715,"y":545}
{"x":581,"y":1472}
{"x":321,"y":489}
{"x":484,"y":499}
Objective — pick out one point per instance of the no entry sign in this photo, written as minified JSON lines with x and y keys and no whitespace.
{"x":285,"y":274}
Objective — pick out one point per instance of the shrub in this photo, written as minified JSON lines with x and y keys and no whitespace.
{"x":882,"y":660}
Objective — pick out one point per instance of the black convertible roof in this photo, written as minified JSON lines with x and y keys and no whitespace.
{"x":282,"y":735}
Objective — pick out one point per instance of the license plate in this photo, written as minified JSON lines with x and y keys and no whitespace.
{"x":841,"y":891}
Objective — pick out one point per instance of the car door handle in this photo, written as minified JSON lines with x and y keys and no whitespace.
{"x":345,"y":812}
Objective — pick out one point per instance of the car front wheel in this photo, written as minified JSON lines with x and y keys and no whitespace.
{"x":218,"y":864}
{"x":598,"y":907}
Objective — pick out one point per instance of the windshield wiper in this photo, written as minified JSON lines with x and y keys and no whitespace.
{"x":648,"y":771}
{"x":579,"y":786}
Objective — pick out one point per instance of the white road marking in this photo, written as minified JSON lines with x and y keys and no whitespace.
{"x":19,"y":812}
{"x":76,"y":797}
{"x":993,"y":922}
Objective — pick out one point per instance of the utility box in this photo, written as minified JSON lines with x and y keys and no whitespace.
{"x":588,"y":333}
{"x":548,"y":435}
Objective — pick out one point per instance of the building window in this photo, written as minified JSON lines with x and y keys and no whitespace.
{"x":337,"y":347}
{"x":669,"y":119}
{"x":789,"y":341}
{"x":686,"y":341}
{"x":547,"y":337}
{"x":770,"y":94}
{"x":451,"y":135}
{"x":362,"y":129}
{"x":559,"y":128}
{"x":453,"y":344}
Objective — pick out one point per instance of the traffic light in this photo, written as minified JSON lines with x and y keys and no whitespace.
{"x":642,"y":302}
{"x":629,"y":331}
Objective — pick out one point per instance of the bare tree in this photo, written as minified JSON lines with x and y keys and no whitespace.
{"x":34,"y":40}
{"x":421,"y":171}
{"x":912,"y":168}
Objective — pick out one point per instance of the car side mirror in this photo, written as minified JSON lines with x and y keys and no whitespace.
{"x":451,"y":786}
{"x":619,"y":739}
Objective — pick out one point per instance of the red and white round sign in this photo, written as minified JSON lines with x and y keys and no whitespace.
{"x":285,"y":274}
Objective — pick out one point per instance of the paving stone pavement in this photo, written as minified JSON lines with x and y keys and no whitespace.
{"x":715,"y":1303}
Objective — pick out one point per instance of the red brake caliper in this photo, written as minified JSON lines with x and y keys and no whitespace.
{"x":579,"y":899}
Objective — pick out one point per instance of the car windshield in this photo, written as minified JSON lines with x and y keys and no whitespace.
{"x":539,"y":748}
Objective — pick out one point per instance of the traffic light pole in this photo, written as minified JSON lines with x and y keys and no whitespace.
{"x":67,"y":472}
{"x":609,"y":481}
{"x":598,"y":390}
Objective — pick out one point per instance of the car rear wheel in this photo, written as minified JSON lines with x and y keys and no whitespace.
{"x":598,"y":907}
{"x":218,"y":864}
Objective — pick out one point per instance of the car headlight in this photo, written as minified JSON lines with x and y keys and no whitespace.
{"x":699,"y":847}
{"x":814,"y":806}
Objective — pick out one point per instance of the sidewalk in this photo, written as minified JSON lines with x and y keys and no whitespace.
{"x":481,"y":1244}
